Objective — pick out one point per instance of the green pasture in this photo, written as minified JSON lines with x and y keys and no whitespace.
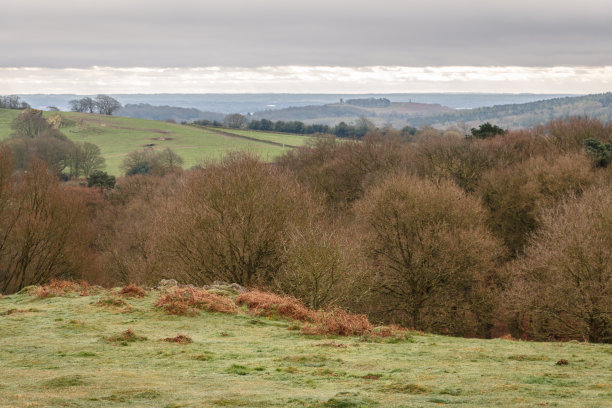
{"x":283,"y":138}
{"x":118,"y":136}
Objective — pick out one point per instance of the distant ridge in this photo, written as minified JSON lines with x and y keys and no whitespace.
{"x":396,"y":113}
{"x":177,"y":114}
{"x":598,"y":106}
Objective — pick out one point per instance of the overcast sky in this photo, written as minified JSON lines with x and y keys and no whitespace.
{"x":247,"y":35}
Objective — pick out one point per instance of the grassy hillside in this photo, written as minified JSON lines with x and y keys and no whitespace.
{"x":6,"y":117}
{"x":68,"y":351}
{"x":117,"y":136}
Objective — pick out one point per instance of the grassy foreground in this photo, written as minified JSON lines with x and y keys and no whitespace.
{"x":67,"y":351}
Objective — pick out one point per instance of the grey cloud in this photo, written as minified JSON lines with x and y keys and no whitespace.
{"x":252,"y":33}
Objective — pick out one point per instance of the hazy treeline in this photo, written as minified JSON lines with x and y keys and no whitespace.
{"x":12,"y":102}
{"x":470,"y":237}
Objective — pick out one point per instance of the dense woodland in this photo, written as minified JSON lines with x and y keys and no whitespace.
{"x":482,"y":236}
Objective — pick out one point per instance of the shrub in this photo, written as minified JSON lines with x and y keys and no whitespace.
{"x":188,"y":301}
{"x":601,"y":153}
{"x":486,"y":131}
{"x":101,"y":179}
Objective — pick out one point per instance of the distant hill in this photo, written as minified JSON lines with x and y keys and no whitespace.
{"x":245,"y":103}
{"x":146,"y":111}
{"x":598,"y":106}
{"x":396,"y":113}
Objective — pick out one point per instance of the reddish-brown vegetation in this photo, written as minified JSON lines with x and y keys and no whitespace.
{"x":132,"y":290}
{"x":59,"y":288}
{"x":179,"y":339}
{"x":340,"y":323}
{"x":269,"y":304}
{"x":188,"y":301}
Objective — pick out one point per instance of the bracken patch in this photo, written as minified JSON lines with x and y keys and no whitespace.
{"x":340,"y":323}
{"x":132,"y":290}
{"x":188,"y":301}
{"x":269,"y":304}
{"x":59,"y":288}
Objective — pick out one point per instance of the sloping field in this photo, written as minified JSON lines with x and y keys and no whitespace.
{"x":276,"y":137}
{"x":73,"y":351}
{"x":6,"y":117}
{"x":117,"y":136}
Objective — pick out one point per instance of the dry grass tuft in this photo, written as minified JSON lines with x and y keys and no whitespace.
{"x":132,"y":290}
{"x":180,"y":339}
{"x":59,"y":288}
{"x":340,"y":323}
{"x":128,"y":336}
{"x":188,"y":301}
{"x":269,"y":304}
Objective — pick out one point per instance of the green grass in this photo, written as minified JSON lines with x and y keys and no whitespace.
{"x":118,"y":136}
{"x":6,"y":117}
{"x":283,"y":138}
{"x":73,"y":351}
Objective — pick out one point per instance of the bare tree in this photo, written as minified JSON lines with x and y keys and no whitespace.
{"x":235,"y":121}
{"x":106,"y":105}
{"x":432,"y":255}
{"x":232,"y":222}
{"x":29,"y":123}
{"x":12,"y":102}
{"x":42,"y":227}
{"x":84,"y":158}
{"x":85,"y":104}
{"x":563,"y":284}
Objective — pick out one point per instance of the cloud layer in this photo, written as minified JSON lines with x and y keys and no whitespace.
{"x":307,"y":79}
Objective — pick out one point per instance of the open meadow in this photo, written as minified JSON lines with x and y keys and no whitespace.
{"x":76,"y":350}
